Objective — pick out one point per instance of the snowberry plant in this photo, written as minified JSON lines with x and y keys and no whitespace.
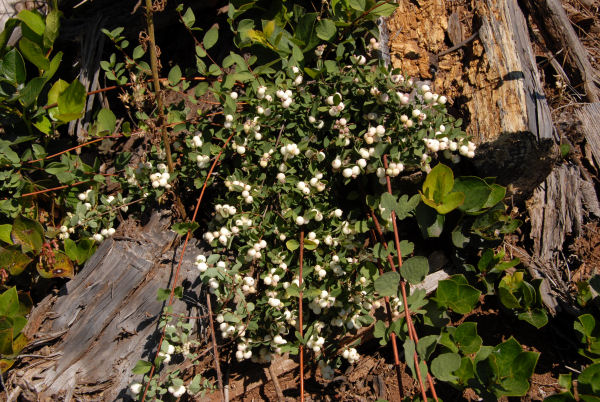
{"x":302,"y":155}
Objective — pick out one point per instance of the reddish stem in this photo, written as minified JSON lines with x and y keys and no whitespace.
{"x":187,"y":238}
{"x":300,"y":316}
{"x":411,"y":328}
{"x":388,"y":310}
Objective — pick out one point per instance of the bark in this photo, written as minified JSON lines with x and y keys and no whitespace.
{"x":105,"y":320}
{"x":556,"y":27}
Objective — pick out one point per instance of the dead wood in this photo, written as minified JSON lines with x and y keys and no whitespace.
{"x":560,"y":35}
{"x":108,"y":318}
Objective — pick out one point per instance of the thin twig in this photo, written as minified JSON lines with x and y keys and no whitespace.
{"x":4,"y":388}
{"x":276,"y":384}
{"x":214,"y":343}
{"x":157,"y":91}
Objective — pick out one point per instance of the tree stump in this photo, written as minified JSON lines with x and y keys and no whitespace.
{"x":105,"y":320}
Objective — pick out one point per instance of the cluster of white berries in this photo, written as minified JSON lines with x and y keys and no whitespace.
{"x":243,"y":350}
{"x":264,"y":159}
{"x":161,"y":178}
{"x":302,"y":220}
{"x":272,"y":279}
{"x":320,"y":302}
{"x":65,"y":232}
{"x":374,"y":134}
{"x":467,"y":150}
{"x":335,"y":109}
{"x":430,"y":97}
{"x":103,"y":233}
{"x":373,"y":44}
{"x":83,"y":196}
{"x":254,"y":253}
{"x":318,"y":123}
{"x":285,"y":97}
{"x":228,"y":121}
{"x":313,"y":182}
{"x":299,"y":78}
{"x":240,"y":148}
{"x":227,"y":329}
{"x":177,"y":392}
{"x":167,"y":355}
{"x":197,"y":141}
{"x":315,"y":343}
{"x":289,"y":151}
{"x":225,"y":210}
{"x":222,"y":235}
{"x":253,"y":127}
{"x":248,"y":286}
{"x":351,"y":355}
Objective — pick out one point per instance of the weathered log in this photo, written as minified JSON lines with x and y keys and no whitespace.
{"x":106,"y":318}
{"x":520,"y":149}
{"x":556,"y":27}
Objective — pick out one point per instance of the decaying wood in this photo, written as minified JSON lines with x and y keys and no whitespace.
{"x":589,"y":116}
{"x":495,"y":82}
{"x":109,"y":316}
{"x":520,"y":150}
{"x":557,"y":210}
{"x":559,"y":33}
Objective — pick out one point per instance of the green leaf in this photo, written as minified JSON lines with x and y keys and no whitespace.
{"x":52,"y":28}
{"x":430,"y":222}
{"x":443,"y":366}
{"x":438,"y":183}
{"x":163,"y":294}
{"x":62,"y":267}
{"x":182,"y":228}
{"x":12,"y":67}
{"x":588,"y":381}
{"x":32,"y":52}
{"x":358,"y":5}
{"x":476,"y":192}
{"x":326,"y":29}
{"x":174,"y":75}
{"x":426,"y":346}
{"x":13,"y":261}
{"x":71,"y":102}
{"x":27,"y":233}
{"x":33,"y":20}
{"x":32,"y":90}
{"x":387,"y":284}
{"x":106,"y":121}
{"x":406,"y":248}
{"x":466,"y":338}
{"x":415,"y":269}
{"x":450,"y":202}
{"x":5,"y":233}
{"x":138,"y":52}
{"x":292,"y":245}
{"x":536,"y":317}
{"x":141,"y":367}
{"x":189,"y":18}
{"x":211,"y":37}
{"x":456,"y":294}
{"x":9,"y":303}
{"x":384,"y":9}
